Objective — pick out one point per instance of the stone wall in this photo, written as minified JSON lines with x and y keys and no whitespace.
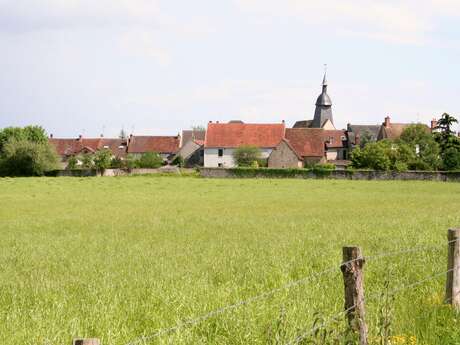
{"x":335,"y":174}
{"x":282,"y":156}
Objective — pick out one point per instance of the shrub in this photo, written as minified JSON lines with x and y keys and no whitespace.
{"x":87,"y":161}
{"x":72,"y":163}
{"x":27,"y":158}
{"x":451,"y":159}
{"x":117,"y":163}
{"x":179,"y":161}
{"x":324,"y":166}
{"x":102,"y":159}
{"x":245,"y":155}
{"x":150,"y":160}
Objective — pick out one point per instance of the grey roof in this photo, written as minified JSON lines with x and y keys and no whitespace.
{"x":361,"y":129}
{"x":303,"y":124}
{"x":323,"y":109}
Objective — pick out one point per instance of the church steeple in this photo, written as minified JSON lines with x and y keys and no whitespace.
{"x":323,"y":111}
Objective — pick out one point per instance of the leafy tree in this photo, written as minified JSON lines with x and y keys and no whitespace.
{"x":198,"y":128}
{"x":445,"y":123}
{"x":27,"y":158}
{"x":150,"y":160}
{"x":422,"y":142}
{"x":72,"y":163}
{"x":130,"y":161}
{"x":102,"y":159}
{"x":87,"y":161}
{"x":383,"y":155}
{"x":246,"y":155}
{"x":34,"y":134}
{"x":117,"y":163}
{"x":366,"y":138}
{"x":451,"y":159}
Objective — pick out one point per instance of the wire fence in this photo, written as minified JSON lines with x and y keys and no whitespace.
{"x":310,"y":278}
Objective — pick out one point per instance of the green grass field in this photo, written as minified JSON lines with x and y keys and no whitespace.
{"x":119,"y":258}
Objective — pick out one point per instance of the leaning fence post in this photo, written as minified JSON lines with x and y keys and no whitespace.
{"x":90,"y":341}
{"x":352,"y":269}
{"x":453,"y":269}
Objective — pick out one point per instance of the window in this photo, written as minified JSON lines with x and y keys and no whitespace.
{"x":220,"y":165}
{"x":331,"y":140}
{"x":220,"y":152}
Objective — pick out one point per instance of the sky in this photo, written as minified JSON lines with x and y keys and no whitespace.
{"x":156,"y":67}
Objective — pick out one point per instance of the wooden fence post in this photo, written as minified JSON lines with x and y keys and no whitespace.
{"x":453,"y":269}
{"x":91,"y":341}
{"x":352,"y":269}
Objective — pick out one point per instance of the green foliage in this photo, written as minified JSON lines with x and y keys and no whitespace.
{"x":102,"y":159}
{"x":178,"y":161}
{"x":117,"y":163}
{"x":34,"y":134}
{"x":150,"y":160}
{"x":383,"y":155}
{"x":324,"y":166}
{"x":366,"y":137}
{"x":87,"y":161}
{"x":130,"y":162}
{"x":419,"y":139}
{"x":22,"y":157}
{"x":245,"y":155}
{"x":247,"y":172}
{"x":451,"y":159}
{"x":72,"y":163}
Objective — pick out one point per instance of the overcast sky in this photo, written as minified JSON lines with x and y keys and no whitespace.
{"x":156,"y":67}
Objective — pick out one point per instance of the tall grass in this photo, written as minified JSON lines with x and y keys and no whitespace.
{"x":119,"y":258}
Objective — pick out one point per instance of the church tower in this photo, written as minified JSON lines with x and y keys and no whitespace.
{"x":323,"y":111}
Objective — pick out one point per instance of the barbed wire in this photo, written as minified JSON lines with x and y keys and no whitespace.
{"x":372,"y":297}
{"x":266,"y":294}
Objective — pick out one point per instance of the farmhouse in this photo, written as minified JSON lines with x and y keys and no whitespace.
{"x":223,"y":138}
{"x":166,"y":146}
{"x":66,"y":148}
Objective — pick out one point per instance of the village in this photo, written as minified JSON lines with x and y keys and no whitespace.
{"x":307,"y":142}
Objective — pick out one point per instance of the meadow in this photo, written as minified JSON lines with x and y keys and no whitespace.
{"x":120,"y":258}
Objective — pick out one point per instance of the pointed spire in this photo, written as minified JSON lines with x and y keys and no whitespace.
{"x":325,"y":75}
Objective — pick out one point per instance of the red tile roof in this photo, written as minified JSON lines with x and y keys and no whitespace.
{"x":71,"y":147}
{"x":231,"y":135}
{"x":143,"y":144}
{"x":307,"y":142}
{"x":335,"y":138}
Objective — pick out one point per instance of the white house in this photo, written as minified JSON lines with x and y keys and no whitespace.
{"x":223,"y":138}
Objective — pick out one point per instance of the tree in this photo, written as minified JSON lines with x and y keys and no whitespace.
{"x":122,"y":134}
{"x":87,"y":161}
{"x":150,"y":160}
{"x":198,"y":128}
{"x":246,"y":155}
{"x":72,"y":163}
{"x":34,"y":134}
{"x":366,"y":138}
{"x":27,"y":158}
{"x":102,"y":159}
{"x":422,"y":142}
{"x":445,"y":123}
{"x":383,"y":155}
{"x":451,"y":159}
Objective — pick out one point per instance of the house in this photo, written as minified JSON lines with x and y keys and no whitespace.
{"x":393,"y":131}
{"x":166,"y":146}
{"x":68,"y":147}
{"x":223,"y":138}
{"x":192,"y":153}
{"x":323,"y":112}
{"x":360,"y":134}
{"x":300,"y":146}
{"x":192,"y":135}
{"x":336,"y":144}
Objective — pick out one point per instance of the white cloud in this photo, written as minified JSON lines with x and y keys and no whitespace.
{"x":143,"y":43}
{"x":392,"y":21}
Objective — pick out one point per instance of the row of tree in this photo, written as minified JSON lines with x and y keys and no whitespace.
{"x":26,"y":152}
{"x":104,"y":159}
{"x":416,"y":149}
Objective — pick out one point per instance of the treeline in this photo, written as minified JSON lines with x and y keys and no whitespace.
{"x":26,"y":152}
{"x":416,"y":149}
{"x":104,"y":159}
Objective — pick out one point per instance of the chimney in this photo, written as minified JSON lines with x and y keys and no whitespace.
{"x":217,"y":121}
{"x":80,"y":137}
{"x":283,"y":122}
{"x":210,"y":122}
{"x":387,"y":122}
{"x":102,"y":135}
{"x":434,"y":124}
{"x":51,"y":136}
